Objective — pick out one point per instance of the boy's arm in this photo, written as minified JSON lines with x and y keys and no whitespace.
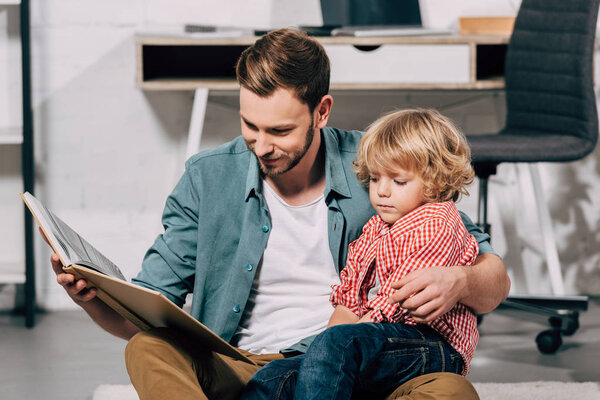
{"x":430,"y":244}
{"x":347,"y":292}
{"x":482,"y":286}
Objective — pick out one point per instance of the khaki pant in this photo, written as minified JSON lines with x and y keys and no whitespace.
{"x":164,"y":365}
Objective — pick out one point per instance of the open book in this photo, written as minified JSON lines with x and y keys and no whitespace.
{"x":143,"y":307}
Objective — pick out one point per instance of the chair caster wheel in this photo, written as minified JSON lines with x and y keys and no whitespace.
{"x":571,"y":326}
{"x":567,"y":325}
{"x":548,"y":341}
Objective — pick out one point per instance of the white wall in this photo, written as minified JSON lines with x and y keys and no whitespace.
{"x":108,"y":154}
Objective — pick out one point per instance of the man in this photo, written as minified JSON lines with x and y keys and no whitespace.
{"x":259,"y":228}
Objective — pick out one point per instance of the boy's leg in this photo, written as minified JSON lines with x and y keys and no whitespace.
{"x":275,"y":381}
{"x":371,"y":360}
{"x":163,"y":364}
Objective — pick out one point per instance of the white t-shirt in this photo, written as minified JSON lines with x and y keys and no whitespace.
{"x":290,"y":294}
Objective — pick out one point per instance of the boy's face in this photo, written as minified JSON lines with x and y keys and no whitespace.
{"x":278,"y":128}
{"x":395,"y":193}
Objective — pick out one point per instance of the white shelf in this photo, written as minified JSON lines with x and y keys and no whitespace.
{"x":11,"y":135}
{"x":12,"y":278}
{"x":13,"y":249}
{"x":12,"y":272}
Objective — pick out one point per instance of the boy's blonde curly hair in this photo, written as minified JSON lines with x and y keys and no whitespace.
{"x":421,"y":141}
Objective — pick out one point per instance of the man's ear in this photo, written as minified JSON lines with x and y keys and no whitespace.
{"x":322,"y":111}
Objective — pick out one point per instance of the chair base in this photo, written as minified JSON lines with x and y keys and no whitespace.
{"x":552,"y":303}
{"x":561,"y":314}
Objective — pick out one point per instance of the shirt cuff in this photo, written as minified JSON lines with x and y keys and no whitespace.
{"x":377,"y":316}
{"x":338,"y":297}
{"x":385,"y":313}
{"x":486,"y":248}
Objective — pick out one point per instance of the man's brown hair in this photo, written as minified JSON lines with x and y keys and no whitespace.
{"x":285,"y":58}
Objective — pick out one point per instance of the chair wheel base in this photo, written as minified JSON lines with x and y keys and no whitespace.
{"x":548,"y":342}
{"x":570,"y":325}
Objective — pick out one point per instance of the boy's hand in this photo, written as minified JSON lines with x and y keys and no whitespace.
{"x":431,"y":292}
{"x":342,"y":315}
{"x":366,"y":317}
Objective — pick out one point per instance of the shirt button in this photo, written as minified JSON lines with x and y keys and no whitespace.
{"x":249,"y":267}
{"x":265,"y":229}
{"x":236,"y":309}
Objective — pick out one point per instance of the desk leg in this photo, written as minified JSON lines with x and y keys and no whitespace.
{"x":197,"y":122}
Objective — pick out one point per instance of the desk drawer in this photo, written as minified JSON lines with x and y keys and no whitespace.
{"x":400,"y":63}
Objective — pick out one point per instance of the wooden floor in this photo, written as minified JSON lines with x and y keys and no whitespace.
{"x":66,"y":356}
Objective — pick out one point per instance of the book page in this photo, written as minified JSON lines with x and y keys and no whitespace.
{"x":143,"y":307}
{"x":75,"y":249}
{"x":87,"y":255}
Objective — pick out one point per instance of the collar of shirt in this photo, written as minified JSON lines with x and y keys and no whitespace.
{"x":411,"y":220}
{"x":335,"y":177}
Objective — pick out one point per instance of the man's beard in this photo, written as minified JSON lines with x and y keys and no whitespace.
{"x":291,"y":159}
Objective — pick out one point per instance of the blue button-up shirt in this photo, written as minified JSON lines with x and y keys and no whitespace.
{"x":217,"y":226}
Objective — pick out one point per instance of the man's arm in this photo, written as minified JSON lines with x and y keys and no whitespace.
{"x":435,"y":291}
{"x":107,"y":318}
{"x":488,"y":284}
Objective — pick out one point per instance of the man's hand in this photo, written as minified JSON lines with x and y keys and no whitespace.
{"x":431,"y":292}
{"x":76,"y":289}
{"x":103,"y":315}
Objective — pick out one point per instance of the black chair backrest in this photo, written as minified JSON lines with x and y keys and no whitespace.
{"x":549,"y":70}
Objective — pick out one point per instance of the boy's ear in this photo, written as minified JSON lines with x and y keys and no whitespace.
{"x":323,"y":110}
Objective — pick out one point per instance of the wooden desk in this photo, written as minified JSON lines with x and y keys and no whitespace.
{"x":449,"y":62}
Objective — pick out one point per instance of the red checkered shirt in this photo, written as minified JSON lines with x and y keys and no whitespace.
{"x":431,"y":235}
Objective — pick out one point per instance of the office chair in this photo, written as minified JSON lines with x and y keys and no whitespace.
{"x":550,"y":117}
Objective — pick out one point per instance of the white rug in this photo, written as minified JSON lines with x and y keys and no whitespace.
{"x":115,"y":392}
{"x":541,"y":390}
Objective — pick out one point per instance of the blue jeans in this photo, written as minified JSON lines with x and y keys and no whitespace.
{"x":366,"y":360}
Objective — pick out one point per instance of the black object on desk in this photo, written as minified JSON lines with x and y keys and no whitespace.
{"x":324,"y":30}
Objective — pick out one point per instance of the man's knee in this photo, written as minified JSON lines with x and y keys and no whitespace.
{"x":146,"y":346}
{"x":159,"y":367}
{"x":138,"y":345}
{"x":142,"y":342}
{"x":440,"y":385}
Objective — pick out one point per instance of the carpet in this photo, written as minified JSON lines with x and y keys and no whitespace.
{"x":540,"y":390}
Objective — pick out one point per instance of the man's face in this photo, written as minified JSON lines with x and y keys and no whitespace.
{"x":278,"y":129}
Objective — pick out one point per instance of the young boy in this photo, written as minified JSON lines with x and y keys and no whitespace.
{"x":416,"y":164}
